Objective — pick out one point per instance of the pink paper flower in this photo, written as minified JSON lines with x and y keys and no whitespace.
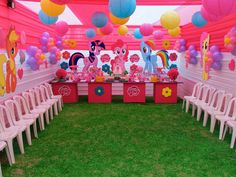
{"x":134,"y":58}
{"x":105,"y":58}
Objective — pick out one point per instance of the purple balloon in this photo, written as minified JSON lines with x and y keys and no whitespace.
{"x":191,"y":47}
{"x":217,"y":56}
{"x":182,"y":48}
{"x":44,"y":41}
{"x":59,"y":44}
{"x":52,"y":57}
{"x":53,"y":49}
{"x":31,"y":50}
{"x":216,"y":66}
{"x":193,"y":53}
{"x":214,"y":49}
{"x":182,"y":42}
{"x":46,"y":34}
{"x":44,"y":49}
{"x":233,"y":52}
{"x":193,"y":60}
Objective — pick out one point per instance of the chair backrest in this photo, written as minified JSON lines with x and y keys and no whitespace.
{"x":5,"y":118}
{"x":29,"y":100}
{"x":44,"y":92}
{"x":210,"y":94}
{"x":217,"y":99}
{"x":225,"y":102}
{"x":22,"y":103}
{"x":231,"y":109}
{"x":49,"y":88}
{"x":196,"y":89}
{"x":14,"y":109}
{"x":204,"y":92}
{"x":200,"y":92}
{"x":36,"y":93}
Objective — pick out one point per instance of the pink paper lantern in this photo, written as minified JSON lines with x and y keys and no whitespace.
{"x":146,"y":29}
{"x":158,"y":34}
{"x":107,"y":29}
{"x":61,"y":28}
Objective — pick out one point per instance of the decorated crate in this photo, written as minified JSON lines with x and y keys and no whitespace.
{"x":134,"y":93}
{"x":68,"y":90}
{"x":165,"y":92}
{"x":99,"y":92}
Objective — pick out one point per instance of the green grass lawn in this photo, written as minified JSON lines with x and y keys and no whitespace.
{"x":133,"y":140}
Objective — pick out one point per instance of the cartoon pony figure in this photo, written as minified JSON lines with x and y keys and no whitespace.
{"x":151,"y":60}
{"x":121,"y":51}
{"x":11,"y":46}
{"x":204,"y":44}
{"x":95,"y":48}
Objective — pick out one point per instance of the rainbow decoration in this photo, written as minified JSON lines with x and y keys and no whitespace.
{"x":164,"y":57}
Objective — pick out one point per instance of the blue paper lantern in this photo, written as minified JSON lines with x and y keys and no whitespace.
{"x":90,"y":33}
{"x":99,"y":19}
{"x":47,"y":20}
{"x":137,"y":34}
{"x":122,"y":8}
{"x":198,"y":20}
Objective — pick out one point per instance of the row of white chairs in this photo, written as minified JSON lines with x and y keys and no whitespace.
{"x":219,"y":105}
{"x":21,"y":112}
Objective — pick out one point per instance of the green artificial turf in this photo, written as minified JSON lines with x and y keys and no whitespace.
{"x":143,"y":140}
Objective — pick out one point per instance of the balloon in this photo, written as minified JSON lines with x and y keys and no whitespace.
{"x":193,"y":61}
{"x":118,"y":21}
{"x":44,"y":41}
{"x":137,"y":34}
{"x":123,"y":30}
{"x":122,"y":8}
{"x":170,"y":20}
{"x":174,"y":32}
{"x":53,"y":49}
{"x":61,"y":28}
{"x":214,"y":48}
{"x":233,"y":52}
{"x":216,"y":66}
{"x":51,"y":9}
{"x":90,"y":33}
{"x":60,"y":2}
{"x":198,"y":20}
{"x":47,"y":20}
{"x":158,"y":34}
{"x":146,"y":29}
{"x":46,"y":35}
{"x":99,"y":19}
{"x":217,"y":56}
{"x":193,"y":53}
{"x":182,"y":48}
{"x":31,"y":50}
{"x":44,"y":49}
{"x":107,"y":29}
{"x":191,"y":47}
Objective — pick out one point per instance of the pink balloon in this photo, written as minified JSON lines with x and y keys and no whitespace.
{"x":146,"y":29}
{"x":61,"y":28}
{"x":61,"y":2}
{"x":158,"y":34}
{"x":107,"y":29}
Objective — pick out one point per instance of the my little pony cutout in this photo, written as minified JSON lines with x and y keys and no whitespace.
{"x":12,"y":50}
{"x":121,"y":51}
{"x":151,"y":60}
{"x":95,"y":48}
{"x":204,"y":44}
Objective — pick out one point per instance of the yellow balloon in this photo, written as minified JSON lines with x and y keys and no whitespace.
{"x":51,"y":9}
{"x":123,"y":30}
{"x":174,"y":32}
{"x":170,"y":20}
{"x":118,"y":21}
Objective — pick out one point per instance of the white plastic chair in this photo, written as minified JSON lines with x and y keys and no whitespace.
{"x":47,"y":100}
{"x":57,"y":97}
{"x":220,"y":111}
{"x":32,"y":108}
{"x":17,"y":119}
{"x":229,"y":116}
{"x":231,"y":125}
{"x":193,"y":96}
{"x":8,"y":132}
{"x":3,"y":146}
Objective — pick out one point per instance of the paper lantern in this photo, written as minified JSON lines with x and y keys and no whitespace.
{"x":174,"y":32}
{"x":146,"y":29}
{"x":158,"y":34}
{"x":198,"y":20}
{"x":98,"y":31}
{"x":107,"y":29}
{"x":122,"y":8}
{"x":61,"y":28}
{"x":118,"y":21}
{"x":137,"y":34}
{"x":47,"y":20}
{"x":90,"y":33}
{"x":51,"y":9}
{"x":99,"y":19}
{"x":123,"y":30}
{"x":170,"y":20}
{"x":60,"y":2}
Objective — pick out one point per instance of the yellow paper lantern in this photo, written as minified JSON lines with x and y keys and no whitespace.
{"x":123,"y":30}
{"x":118,"y":21}
{"x":170,"y":20}
{"x":174,"y":32}
{"x":51,"y":9}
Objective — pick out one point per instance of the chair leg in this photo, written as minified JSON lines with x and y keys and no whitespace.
{"x":35,"y":129}
{"x":205,"y":118}
{"x":225,"y":131}
{"x":59,"y":104}
{"x":20,"y":143}
{"x":47,"y":116}
{"x":233,"y":138}
{"x":55,"y":108}
{"x":222,"y":124}
{"x":51,"y":114}
{"x":7,"y":149}
{"x":41,"y":122}
{"x":11,"y":151}
{"x":193,"y":110}
{"x":213,"y":123}
{"x":187,"y":106}
{"x":183,"y":104}
{"x":28,"y":135}
{"x":199,"y":112}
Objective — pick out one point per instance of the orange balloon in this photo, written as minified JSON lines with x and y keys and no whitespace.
{"x":99,"y":32}
{"x":51,"y":9}
{"x":118,"y":21}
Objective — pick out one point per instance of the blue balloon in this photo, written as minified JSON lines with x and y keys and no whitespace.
{"x":99,"y":19}
{"x":47,"y":20}
{"x":90,"y":33}
{"x":122,"y":8}
{"x":137,"y":34}
{"x":198,"y":20}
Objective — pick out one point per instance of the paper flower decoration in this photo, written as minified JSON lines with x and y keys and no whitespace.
{"x":133,"y":67}
{"x":166,"y":92}
{"x":232,"y":65}
{"x":99,"y":91}
{"x":166,"y":44}
{"x":106,"y":68}
{"x":173,"y":57}
{"x":64,"y":65}
{"x":105,"y":58}
{"x":71,"y":43}
{"x":134,"y":58}
{"x":66,"y":55}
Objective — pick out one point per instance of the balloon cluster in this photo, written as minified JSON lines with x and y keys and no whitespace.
{"x":35,"y":57}
{"x":180,"y":45}
{"x":191,"y":55}
{"x":46,"y":42}
{"x":59,"y":43}
{"x":55,"y":55}
{"x":214,"y":58}
{"x":230,"y":41}
{"x":50,"y":10}
{"x":170,"y":20}
{"x":198,"y":20}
